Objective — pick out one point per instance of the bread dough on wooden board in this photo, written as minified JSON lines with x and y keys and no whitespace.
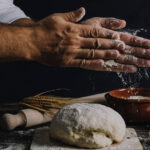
{"x":41,"y":141}
{"x":88,"y":125}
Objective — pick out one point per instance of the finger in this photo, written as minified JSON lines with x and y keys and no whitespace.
{"x":97,"y":32}
{"x":74,"y":16}
{"x":132,"y":60}
{"x":134,"y":40}
{"x":100,"y":43}
{"x":136,"y":51}
{"x":110,"y":23}
{"x":99,"y":65}
{"x":113,"y":23}
{"x":97,"y":54}
{"x":116,"y":67}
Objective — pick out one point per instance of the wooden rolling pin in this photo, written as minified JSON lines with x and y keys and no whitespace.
{"x":25,"y":118}
{"x":32,"y":117}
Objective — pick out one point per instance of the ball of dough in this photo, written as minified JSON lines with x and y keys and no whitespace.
{"x":88,"y":125}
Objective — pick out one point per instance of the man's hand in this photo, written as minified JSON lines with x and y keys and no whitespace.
{"x":60,"y":41}
{"x":137,"y":49}
{"x":109,"y":23}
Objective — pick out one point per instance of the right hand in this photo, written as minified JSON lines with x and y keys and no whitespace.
{"x":58,"y":41}
{"x":137,"y":49}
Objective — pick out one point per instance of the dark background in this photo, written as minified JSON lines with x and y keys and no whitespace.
{"x":21,"y":79}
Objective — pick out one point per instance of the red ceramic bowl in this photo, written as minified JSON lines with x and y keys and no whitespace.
{"x":136,"y":109}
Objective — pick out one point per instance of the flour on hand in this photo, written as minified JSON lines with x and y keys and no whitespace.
{"x":109,"y":64}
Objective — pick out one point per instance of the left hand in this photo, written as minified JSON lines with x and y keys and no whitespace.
{"x":137,"y":50}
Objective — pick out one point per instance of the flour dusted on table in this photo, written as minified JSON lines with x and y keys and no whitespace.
{"x":87,"y":125}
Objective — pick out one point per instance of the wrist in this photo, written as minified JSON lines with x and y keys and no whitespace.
{"x":24,"y":47}
{"x":36,"y":37}
{"x":16,"y":42}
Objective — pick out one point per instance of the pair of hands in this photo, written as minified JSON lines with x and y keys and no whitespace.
{"x":60,"y":41}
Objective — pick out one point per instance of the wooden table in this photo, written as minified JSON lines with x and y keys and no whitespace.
{"x":20,"y":139}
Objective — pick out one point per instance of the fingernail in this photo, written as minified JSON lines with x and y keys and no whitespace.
{"x":115,"y":23}
{"x":81,"y":11}
{"x":115,"y":53}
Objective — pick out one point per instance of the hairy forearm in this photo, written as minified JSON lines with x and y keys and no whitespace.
{"x":15,"y":42}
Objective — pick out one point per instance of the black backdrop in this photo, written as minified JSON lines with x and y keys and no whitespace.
{"x":21,"y":79}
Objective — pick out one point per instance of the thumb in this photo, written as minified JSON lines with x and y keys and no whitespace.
{"x":109,"y":23}
{"x":113,"y":23}
{"x":74,"y":16}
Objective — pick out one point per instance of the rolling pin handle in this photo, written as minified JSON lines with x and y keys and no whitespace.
{"x":10,"y":121}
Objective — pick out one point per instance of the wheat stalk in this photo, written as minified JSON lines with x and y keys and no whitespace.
{"x":45,"y":103}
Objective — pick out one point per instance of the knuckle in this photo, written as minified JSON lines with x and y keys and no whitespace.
{"x":120,"y":58}
{"x":131,"y":59}
{"x":91,"y":53}
{"x":53,"y":17}
{"x":130,"y":50}
{"x":71,"y":29}
{"x":97,"y":43}
{"x":116,"y":53}
{"x":133,"y":39}
{"x":127,"y":58}
{"x":82,"y":63}
{"x":108,"y":54}
{"x":110,"y":34}
{"x":119,"y":44}
{"x":113,"y":35}
{"x":94,"y":32}
{"x":101,"y":63}
{"x":72,"y":41}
